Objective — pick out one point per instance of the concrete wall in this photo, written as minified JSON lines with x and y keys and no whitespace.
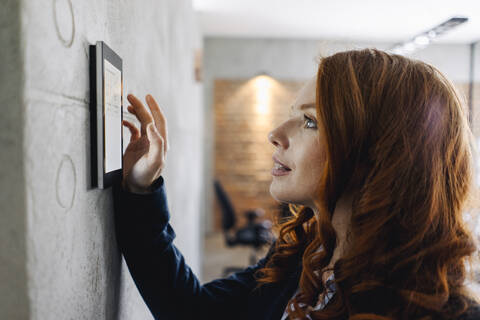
{"x":13,"y":269}
{"x":287,"y":59}
{"x":59,"y":258}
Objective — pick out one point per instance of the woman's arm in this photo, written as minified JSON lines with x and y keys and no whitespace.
{"x":167,"y":284}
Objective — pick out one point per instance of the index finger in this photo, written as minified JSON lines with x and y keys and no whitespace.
{"x":160,"y":121}
{"x":140,"y":111}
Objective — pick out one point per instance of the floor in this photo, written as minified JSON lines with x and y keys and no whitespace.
{"x":217,"y":256}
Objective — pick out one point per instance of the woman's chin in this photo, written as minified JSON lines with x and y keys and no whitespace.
{"x":287,"y":195}
{"x":279,"y":193}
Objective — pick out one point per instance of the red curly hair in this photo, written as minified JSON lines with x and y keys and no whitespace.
{"x":397,"y":138}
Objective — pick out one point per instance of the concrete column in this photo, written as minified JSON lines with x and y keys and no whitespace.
{"x":59,"y":258}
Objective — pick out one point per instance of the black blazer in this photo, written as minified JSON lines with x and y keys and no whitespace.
{"x":167,"y":284}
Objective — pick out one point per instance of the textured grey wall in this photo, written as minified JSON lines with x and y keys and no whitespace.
{"x":13,"y":273}
{"x":59,"y":258}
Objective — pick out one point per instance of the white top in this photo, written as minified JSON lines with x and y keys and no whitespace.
{"x":330,"y":290}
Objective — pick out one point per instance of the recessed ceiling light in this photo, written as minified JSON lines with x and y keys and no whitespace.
{"x":425,"y":38}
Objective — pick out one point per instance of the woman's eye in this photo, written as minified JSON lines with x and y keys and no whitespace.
{"x":309,"y":123}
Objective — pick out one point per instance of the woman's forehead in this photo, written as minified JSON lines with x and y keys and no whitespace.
{"x":306,"y":95}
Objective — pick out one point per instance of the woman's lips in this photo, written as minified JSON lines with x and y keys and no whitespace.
{"x":280,"y":172}
{"x":279,"y":169}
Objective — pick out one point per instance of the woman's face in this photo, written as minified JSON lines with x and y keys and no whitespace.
{"x":298,"y":147}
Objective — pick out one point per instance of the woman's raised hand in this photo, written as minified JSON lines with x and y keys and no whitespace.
{"x":144,"y":157}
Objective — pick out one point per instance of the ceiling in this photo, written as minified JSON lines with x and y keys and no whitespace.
{"x":349,"y":20}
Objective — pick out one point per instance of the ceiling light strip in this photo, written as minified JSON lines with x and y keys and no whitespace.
{"x":423,"y":39}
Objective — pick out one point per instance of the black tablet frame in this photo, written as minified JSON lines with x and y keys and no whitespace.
{"x":98,"y":53}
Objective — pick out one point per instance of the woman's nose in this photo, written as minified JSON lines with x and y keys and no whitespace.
{"x":278,"y":138}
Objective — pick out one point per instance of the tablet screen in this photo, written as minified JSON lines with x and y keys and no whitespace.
{"x":113,"y":117}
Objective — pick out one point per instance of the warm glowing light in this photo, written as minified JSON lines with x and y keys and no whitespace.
{"x":263,"y":85}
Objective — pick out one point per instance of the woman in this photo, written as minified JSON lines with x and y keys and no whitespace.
{"x":376,"y":163}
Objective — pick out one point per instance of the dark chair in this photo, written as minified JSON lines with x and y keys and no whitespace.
{"x":254,"y":234}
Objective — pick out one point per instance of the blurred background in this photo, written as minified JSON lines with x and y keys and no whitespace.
{"x":225,"y":73}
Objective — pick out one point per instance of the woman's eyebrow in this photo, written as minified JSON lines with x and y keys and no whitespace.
{"x":303,"y":106}
{"x":307,"y":106}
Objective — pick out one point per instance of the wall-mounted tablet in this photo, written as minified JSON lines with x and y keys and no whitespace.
{"x":106,"y":112}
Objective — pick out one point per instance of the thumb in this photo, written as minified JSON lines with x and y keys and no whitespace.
{"x":156,"y":143}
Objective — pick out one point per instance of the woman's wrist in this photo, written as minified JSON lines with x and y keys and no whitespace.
{"x":135,"y":189}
